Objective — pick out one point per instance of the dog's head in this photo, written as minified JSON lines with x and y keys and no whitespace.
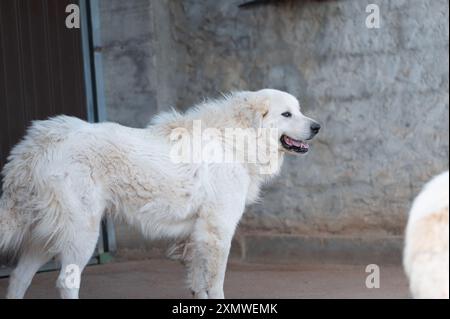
{"x":281,"y":111}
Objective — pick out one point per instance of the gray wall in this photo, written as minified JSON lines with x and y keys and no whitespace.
{"x":381,"y":95}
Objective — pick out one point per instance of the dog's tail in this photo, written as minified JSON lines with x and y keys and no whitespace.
{"x":11,"y":232}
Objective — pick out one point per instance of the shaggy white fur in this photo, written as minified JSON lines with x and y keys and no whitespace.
{"x":427,"y":236}
{"x":66,"y":174}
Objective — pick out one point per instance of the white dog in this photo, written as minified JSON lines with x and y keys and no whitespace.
{"x":427,"y":236}
{"x":67,"y":174}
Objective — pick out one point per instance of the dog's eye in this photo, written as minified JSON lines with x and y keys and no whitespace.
{"x":287,"y":114}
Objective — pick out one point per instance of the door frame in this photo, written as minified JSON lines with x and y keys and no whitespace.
{"x":93,"y":73}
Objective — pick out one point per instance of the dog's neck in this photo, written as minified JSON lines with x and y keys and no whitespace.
{"x":258,"y":179}
{"x":231,"y":112}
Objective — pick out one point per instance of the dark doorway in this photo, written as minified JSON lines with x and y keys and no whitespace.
{"x":41,"y":67}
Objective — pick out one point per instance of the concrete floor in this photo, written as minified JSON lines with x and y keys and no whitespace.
{"x":165,"y":279}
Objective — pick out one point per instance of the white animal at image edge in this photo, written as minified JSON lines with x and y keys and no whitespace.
{"x":426,"y":254}
{"x":66,"y":174}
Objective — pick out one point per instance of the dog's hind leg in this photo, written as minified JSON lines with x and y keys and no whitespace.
{"x":74,"y":260}
{"x":29,"y":263}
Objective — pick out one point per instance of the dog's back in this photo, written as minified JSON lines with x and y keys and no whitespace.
{"x":426,"y":256}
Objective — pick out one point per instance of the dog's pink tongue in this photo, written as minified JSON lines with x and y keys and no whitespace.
{"x":290,"y":141}
{"x":300,"y":144}
{"x":297,"y":143}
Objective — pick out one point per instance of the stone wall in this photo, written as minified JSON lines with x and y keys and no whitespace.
{"x":382,"y":95}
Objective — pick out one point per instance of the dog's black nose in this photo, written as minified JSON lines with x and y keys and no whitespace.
{"x":315,"y":127}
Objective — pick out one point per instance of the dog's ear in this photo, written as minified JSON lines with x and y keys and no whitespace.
{"x":261,"y":106}
{"x":252,"y":110}
{"x":260,"y":109}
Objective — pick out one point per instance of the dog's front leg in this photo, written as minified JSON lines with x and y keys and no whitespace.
{"x":210,"y":243}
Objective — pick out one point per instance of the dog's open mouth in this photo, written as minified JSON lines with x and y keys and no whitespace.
{"x":294,"y":145}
